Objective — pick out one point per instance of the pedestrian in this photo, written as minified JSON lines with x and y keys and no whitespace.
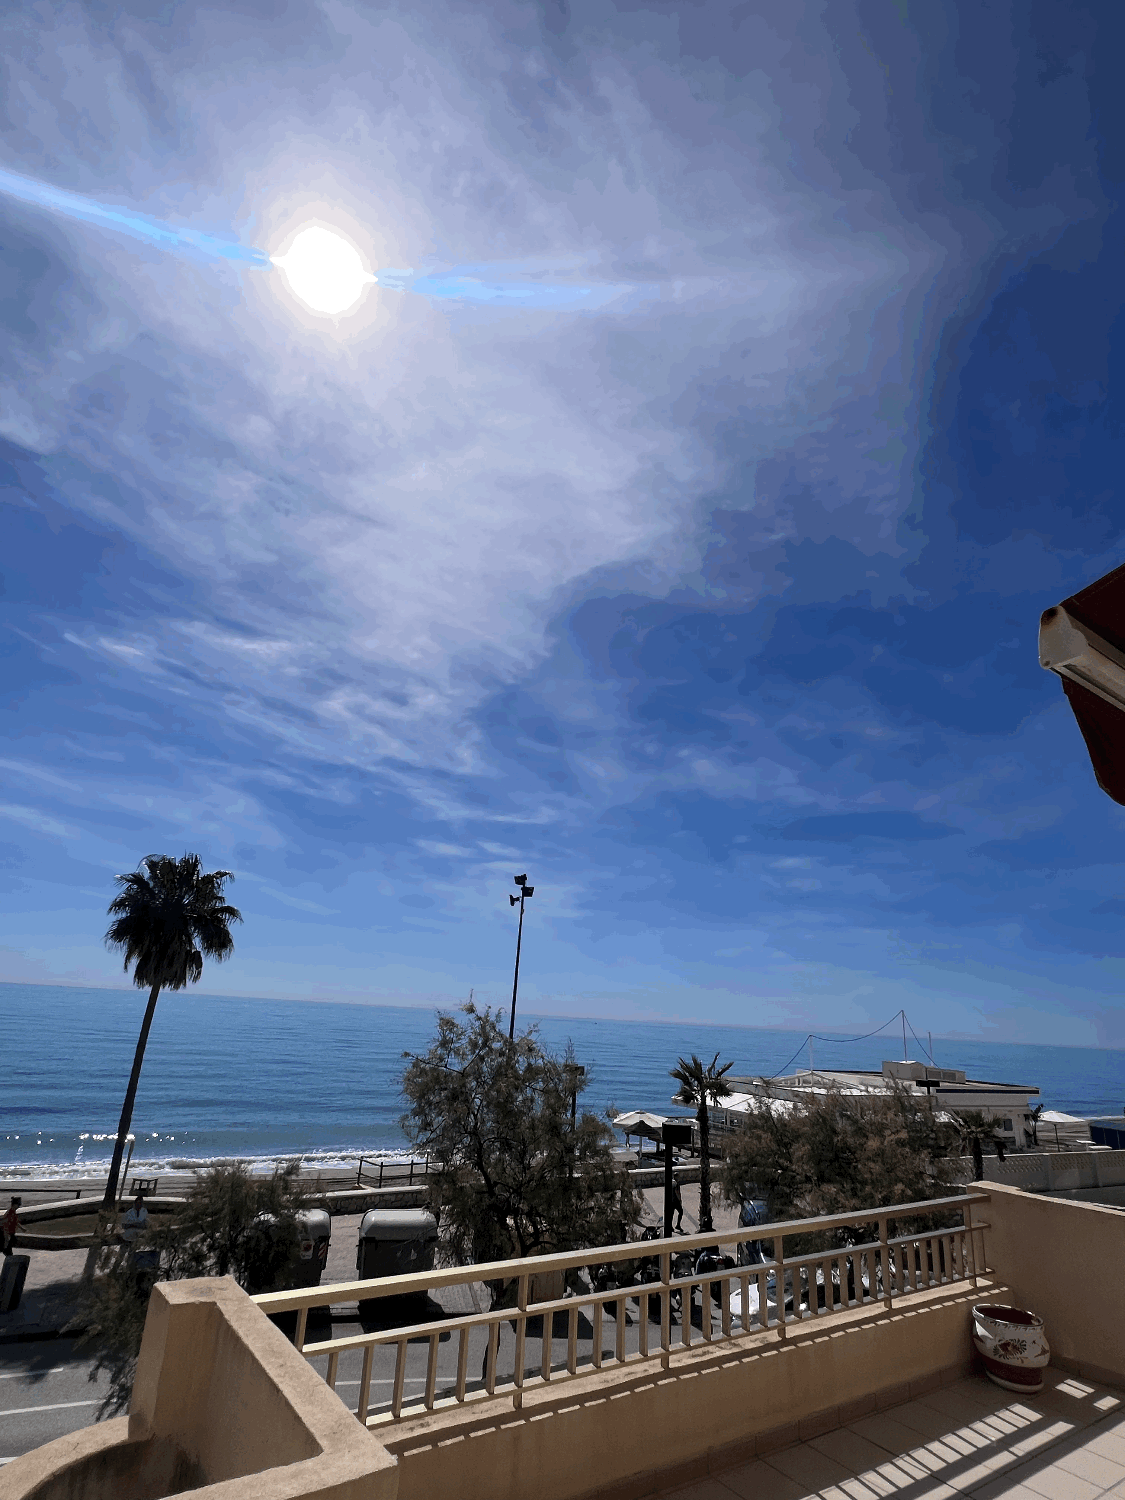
{"x":677,"y":1208}
{"x":134,"y":1223}
{"x":10,"y":1227}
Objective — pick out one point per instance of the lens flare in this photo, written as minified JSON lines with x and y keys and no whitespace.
{"x":324,"y":270}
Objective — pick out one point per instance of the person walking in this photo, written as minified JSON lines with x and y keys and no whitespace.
{"x":677,"y":1208}
{"x":11,"y":1226}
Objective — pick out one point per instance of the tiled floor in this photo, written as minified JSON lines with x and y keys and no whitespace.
{"x":969,"y":1441}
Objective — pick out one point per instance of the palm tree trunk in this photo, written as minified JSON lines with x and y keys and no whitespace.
{"x":705,"y":1223}
{"x":130,"y":1099}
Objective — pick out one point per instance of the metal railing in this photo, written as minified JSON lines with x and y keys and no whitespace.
{"x":754,"y":1298}
{"x":396,"y":1172}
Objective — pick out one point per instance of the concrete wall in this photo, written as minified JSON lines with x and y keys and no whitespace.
{"x":616,"y":1431}
{"x":1057,"y":1172}
{"x":220,"y":1395}
{"x":1065,"y":1261}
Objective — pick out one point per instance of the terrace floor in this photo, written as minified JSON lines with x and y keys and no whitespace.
{"x":968,"y":1441}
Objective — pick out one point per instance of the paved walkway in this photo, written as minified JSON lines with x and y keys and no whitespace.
{"x":966,"y":1440}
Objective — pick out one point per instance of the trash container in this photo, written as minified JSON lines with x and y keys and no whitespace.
{"x":316,"y":1236}
{"x":12,"y":1277}
{"x":308,"y":1258}
{"x":396,"y":1242}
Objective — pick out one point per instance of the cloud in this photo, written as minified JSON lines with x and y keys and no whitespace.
{"x":845,"y":828}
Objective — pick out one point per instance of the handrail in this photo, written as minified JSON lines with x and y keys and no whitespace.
{"x":509,"y":1270}
{"x":756,"y":1299}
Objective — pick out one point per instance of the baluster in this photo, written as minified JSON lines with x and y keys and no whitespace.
{"x":462,"y":1364}
{"x":947,"y":1260}
{"x":826,"y":1274}
{"x":365,"y":1383}
{"x":299,"y":1332}
{"x":491,"y":1357}
{"x":333,"y":1366}
{"x":725,"y":1320}
{"x":598,"y":1334}
{"x":779,"y":1277}
{"x":763,"y":1281}
{"x":521,"y":1338}
{"x":431,"y":1372}
{"x":400,"y":1376}
{"x":572,"y":1341}
{"x":665,"y":1308}
{"x":885,"y":1262}
{"x":685,"y":1315}
{"x":548,"y":1330}
{"x":619,"y":1342}
{"x":642,"y":1327}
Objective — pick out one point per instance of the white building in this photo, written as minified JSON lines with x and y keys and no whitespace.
{"x":948,"y":1088}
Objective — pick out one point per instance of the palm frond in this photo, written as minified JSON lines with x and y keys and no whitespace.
{"x":168,"y":914}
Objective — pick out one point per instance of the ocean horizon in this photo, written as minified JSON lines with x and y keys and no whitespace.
{"x":267,"y":1080}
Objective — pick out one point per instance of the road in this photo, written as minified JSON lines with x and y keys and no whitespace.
{"x":45,"y":1392}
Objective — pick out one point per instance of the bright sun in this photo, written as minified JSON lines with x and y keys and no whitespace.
{"x":324,"y":270}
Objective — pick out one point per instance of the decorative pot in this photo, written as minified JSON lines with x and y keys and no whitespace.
{"x":1013,"y":1346}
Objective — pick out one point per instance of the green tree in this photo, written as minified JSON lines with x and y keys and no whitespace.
{"x":166,"y":916}
{"x":834,"y":1153}
{"x":702,"y":1084}
{"x":231,"y":1224}
{"x":515,"y":1169}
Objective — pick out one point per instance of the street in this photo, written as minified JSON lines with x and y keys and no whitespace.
{"x":45,"y":1392}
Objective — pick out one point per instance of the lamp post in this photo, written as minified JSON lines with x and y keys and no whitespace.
{"x":525,"y":891}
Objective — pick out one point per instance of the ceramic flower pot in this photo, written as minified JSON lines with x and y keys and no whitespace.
{"x":1013,"y":1346}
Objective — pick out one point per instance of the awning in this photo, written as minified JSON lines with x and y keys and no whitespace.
{"x":1083,"y":640}
{"x":639,"y":1122}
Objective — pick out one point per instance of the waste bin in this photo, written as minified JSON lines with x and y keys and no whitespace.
{"x":312,"y":1255}
{"x":396,"y":1242}
{"x":307,"y":1260}
{"x":12,"y":1277}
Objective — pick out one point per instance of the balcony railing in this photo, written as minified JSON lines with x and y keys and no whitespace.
{"x":552,"y":1294}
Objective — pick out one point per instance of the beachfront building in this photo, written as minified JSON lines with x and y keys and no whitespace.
{"x":946,"y":1089}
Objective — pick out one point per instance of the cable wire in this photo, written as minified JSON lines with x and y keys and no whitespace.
{"x":816,"y":1037}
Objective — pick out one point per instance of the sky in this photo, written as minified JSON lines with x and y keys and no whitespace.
{"x":699,"y":578}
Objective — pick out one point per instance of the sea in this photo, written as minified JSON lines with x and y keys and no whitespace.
{"x":271,"y":1080}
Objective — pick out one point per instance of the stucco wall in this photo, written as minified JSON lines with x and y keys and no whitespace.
{"x":614,"y":1431}
{"x":220,"y":1396}
{"x":1065,"y":1261}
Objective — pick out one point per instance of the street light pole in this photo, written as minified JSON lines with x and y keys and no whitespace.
{"x":525,"y":891}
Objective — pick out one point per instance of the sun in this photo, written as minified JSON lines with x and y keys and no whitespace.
{"x":324,"y":270}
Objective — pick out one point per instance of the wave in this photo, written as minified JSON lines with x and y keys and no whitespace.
{"x":343,"y":1160}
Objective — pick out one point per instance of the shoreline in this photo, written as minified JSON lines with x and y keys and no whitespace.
{"x":310,"y":1163}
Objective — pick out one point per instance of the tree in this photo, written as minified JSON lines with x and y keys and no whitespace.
{"x":975,"y":1128}
{"x":515,"y":1169}
{"x":231,"y":1224}
{"x":166,"y":916}
{"x":702,"y":1084}
{"x":833,"y":1153}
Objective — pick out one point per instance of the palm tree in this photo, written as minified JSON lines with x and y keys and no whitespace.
{"x":702,"y":1084}
{"x":167,"y":915}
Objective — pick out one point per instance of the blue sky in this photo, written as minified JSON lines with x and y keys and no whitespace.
{"x":708,"y":596}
